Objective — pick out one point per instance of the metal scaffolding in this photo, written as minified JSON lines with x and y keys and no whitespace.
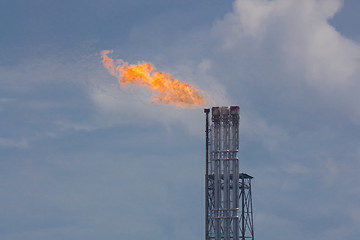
{"x":228,"y":201}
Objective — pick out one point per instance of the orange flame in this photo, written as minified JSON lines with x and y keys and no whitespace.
{"x":163,"y":86}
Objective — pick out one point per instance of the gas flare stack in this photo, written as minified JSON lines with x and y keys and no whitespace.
{"x":228,"y":201}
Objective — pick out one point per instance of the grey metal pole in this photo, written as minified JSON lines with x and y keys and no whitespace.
{"x":206,"y":111}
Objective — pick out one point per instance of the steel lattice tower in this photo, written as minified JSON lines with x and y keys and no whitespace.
{"x":228,"y":200}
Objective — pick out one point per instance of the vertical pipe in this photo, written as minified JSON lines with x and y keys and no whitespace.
{"x":216,"y":118}
{"x":235,"y":171}
{"x":226,"y":190}
{"x":206,"y":111}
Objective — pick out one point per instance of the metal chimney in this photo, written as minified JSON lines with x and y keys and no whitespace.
{"x":228,"y":200}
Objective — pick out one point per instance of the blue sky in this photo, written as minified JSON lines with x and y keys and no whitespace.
{"x":83,"y":158}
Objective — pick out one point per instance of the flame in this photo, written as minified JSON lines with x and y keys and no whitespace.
{"x":163,"y":86}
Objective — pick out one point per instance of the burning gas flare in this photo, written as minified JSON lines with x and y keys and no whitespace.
{"x":163,"y":86}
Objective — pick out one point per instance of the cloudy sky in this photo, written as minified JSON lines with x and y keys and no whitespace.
{"x":83,"y":158}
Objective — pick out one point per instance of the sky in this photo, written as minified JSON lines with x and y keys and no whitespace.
{"x":83,"y":158}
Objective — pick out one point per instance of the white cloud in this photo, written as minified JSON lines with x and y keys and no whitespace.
{"x":257,"y":129}
{"x":130,"y":105}
{"x":297,"y":168}
{"x":330,"y":172}
{"x":354,"y":212}
{"x":10,"y":143}
{"x":302,"y":32}
{"x":267,"y":222}
{"x":306,"y":49}
{"x":75,"y":126}
{"x":27,"y":75}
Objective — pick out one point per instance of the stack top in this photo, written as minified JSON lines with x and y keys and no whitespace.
{"x":233,"y":110}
